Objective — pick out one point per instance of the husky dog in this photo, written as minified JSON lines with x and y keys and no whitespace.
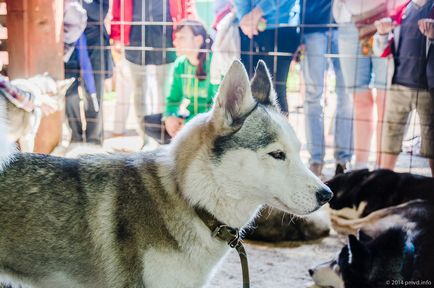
{"x":23,"y":125}
{"x":132,"y":220}
{"x":367,"y":191}
{"x":395,"y":247}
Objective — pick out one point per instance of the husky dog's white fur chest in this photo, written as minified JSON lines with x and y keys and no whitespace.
{"x":177,"y":269}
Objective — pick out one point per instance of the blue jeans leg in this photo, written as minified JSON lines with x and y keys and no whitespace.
{"x":343,"y":150}
{"x":314,"y":65}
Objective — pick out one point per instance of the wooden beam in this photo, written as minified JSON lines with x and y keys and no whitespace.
{"x":35,"y":44}
{"x":35,"y":32}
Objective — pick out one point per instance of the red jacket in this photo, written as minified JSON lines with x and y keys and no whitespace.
{"x":122,"y":18}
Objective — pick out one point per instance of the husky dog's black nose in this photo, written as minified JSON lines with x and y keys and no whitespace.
{"x":324,"y":195}
{"x":310,"y":272}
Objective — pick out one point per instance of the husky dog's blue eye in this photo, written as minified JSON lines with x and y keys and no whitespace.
{"x":279,"y":155}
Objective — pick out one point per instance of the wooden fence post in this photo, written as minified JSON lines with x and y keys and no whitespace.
{"x":35,"y":46}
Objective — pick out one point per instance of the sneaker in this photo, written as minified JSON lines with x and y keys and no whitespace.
{"x":316,"y":169}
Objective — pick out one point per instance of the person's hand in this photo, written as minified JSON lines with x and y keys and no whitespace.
{"x":249,"y":22}
{"x":426,"y":27}
{"x":173,"y":125}
{"x":48,"y":105}
{"x":384,"y":26}
{"x":117,"y":46}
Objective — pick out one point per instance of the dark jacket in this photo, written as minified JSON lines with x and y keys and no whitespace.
{"x":144,"y":38}
{"x":317,"y":15}
{"x":99,"y":54}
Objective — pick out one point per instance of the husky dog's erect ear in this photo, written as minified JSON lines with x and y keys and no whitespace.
{"x":262,"y":86}
{"x":363,"y":237}
{"x":234,"y":98}
{"x":356,"y":250}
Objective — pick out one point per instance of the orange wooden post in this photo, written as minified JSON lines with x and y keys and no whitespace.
{"x":35,"y":46}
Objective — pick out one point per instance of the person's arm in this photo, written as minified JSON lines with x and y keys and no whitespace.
{"x":115,"y":27}
{"x":242,"y":7}
{"x":382,"y":38}
{"x":268,"y":7}
{"x":174,"y":98}
{"x":190,"y":9}
{"x":122,"y":13}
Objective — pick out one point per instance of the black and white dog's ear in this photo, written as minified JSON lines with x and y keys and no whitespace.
{"x":363,"y":237}
{"x":262,"y":86}
{"x":234,"y":99}
{"x":357,"y":251}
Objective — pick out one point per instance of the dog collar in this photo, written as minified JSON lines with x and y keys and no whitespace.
{"x":229,"y":235}
{"x":407,"y":260}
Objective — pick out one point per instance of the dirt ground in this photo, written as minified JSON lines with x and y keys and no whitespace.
{"x":278,"y":266}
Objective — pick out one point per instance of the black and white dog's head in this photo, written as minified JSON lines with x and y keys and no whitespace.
{"x":346,"y":188}
{"x":366,"y":191}
{"x":366,"y":263}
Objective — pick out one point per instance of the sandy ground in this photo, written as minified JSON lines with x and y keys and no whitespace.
{"x":280,"y":265}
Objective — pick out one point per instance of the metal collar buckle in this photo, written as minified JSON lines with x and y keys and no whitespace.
{"x":229,"y":234}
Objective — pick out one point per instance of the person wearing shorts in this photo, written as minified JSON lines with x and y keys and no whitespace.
{"x":412,"y":44}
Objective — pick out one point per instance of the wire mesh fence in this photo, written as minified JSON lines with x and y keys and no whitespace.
{"x":141,"y":67}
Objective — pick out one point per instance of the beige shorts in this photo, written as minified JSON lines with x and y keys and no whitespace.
{"x":400,"y":101}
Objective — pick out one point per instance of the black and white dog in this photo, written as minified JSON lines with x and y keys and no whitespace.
{"x":395,"y":247}
{"x":366,"y":191}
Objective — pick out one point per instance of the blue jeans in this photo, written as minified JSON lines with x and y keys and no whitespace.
{"x":314,"y":65}
{"x":360,"y":72}
{"x":284,"y":39}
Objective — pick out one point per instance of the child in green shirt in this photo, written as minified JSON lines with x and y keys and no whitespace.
{"x":191,"y":82}
{"x":191,"y":92}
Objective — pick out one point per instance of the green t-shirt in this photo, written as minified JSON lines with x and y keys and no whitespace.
{"x":185,"y":86}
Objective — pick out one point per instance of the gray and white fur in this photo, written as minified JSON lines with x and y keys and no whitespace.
{"x":129,"y":220}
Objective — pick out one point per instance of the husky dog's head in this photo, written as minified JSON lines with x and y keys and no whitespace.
{"x":366,"y":262}
{"x":246,"y":150}
{"x":348,"y":262}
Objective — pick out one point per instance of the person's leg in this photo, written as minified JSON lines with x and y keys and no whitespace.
{"x":382,"y":76}
{"x":314,"y":65}
{"x":397,"y":110}
{"x":155,"y":128}
{"x":363,"y":126}
{"x":380,"y":101}
{"x":163,"y":82}
{"x":288,"y":40}
{"x":72,"y":109}
{"x":123,"y":94}
{"x":94,"y":119}
{"x":425,"y":108}
{"x":140,"y":81}
{"x":356,"y":70}
{"x":102,"y":67}
{"x":283,"y":40}
{"x":343,"y":137}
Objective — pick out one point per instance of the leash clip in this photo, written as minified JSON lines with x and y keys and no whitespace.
{"x":229,"y":234}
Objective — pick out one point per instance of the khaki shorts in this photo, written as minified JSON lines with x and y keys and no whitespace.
{"x":400,"y":101}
